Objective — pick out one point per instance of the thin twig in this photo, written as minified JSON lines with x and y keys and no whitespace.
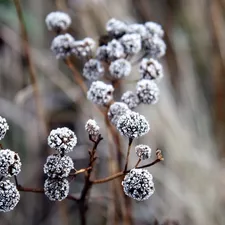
{"x":128,"y":153}
{"x":32,"y":72}
{"x":138,"y":162}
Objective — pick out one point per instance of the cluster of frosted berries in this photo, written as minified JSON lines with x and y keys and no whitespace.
{"x":138,"y":184}
{"x":131,"y":99}
{"x":9,"y":196}
{"x":120,"y":68}
{"x":3,"y":127}
{"x":100,"y":93}
{"x":132,"y":125}
{"x":10,"y":165}
{"x":58,"y":166}
{"x":92,"y":129}
{"x":143,"y":151}
{"x":83,"y":48}
{"x":93,"y":69}
{"x":58,"y":21}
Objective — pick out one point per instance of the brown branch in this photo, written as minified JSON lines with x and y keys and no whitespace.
{"x":32,"y":72}
{"x":128,"y":153}
{"x":138,"y":162}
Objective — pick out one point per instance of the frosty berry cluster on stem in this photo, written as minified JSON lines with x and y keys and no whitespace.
{"x":104,"y":64}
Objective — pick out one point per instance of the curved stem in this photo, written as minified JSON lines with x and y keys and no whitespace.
{"x":128,"y":153}
{"x":138,"y":162}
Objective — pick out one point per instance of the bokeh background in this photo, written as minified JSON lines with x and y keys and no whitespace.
{"x":188,"y":123}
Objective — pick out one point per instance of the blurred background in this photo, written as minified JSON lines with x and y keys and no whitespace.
{"x":188,"y":123}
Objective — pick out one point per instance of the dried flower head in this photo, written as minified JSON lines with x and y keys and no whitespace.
{"x":154,"y":29}
{"x":100,"y":93}
{"x":62,"y":45}
{"x":84,"y":48}
{"x":137,"y":29}
{"x":57,"y":21}
{"x":147,"y":91}
{"x":132,"y":125}
{"x":62,"y":139}
{"x":58,"y":166}
{"x":138,"y":184}
{"x":10,"y":164}
{"x":116,"y":110}
{"x":143,"y":151}
{"x":93,"y":69}
{"x":131,"y":43}
{"x":131,"y":99}
{"x":115,"y":50}
{"x":154,"y":46}
{"x":116,"y":27}
{"x":3,"y":127}
{"x":151,"y":69}
{"x":120,"y":68}
{"x":92,"y":128}
{"x":102,"y":53}
{"x":56,"y":189}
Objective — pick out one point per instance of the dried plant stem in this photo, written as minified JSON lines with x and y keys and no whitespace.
{"x":128,"y":153}
{"x":32,"y":72}
{"x":138,"y":162}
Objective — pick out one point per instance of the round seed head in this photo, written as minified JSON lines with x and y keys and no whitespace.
{"x":132,"y":125}
{"x":62,"y":45}
{"x":116,"y":27}
{"x":154,"y":46}
{"x":116,"y":110}
{"x":143,"y":151}
{"x":102,"y":53}
{"x":93,"y":69}
{"x":131,"y":43}
{"x":9,"y":196}
{"x":138,"y":184}
{"x":92,"y":128}
{"x":131,"y":99}
{"x":10,"y":164}
{"x":151,"y":69}
{"x":58,"y":166}
{"x":115,"y":50}
{"x":56,"y":189}
{"x":154,"y":29}
{"x":84,"y":48}
{"x":3,"y":127}
{"x":100,"y":93}
{"x":62,"y":139}
{"x":137,"y":29}
{"x":57,"y":21}
{"x":147,"y":91}
{"x":120,"y":68}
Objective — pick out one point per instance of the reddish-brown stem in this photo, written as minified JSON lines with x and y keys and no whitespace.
{"x":128,"y":153}
{"x":139,"y":160}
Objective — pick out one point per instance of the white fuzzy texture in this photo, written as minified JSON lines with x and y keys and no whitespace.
{"x":92,"y":128}
{"x":133,"y":125}
{"x":151,"y":69}
{"x":154,"y":46}
{"x":9,"y":196}
{"x":57,"y":21}
{"x":131,"y":43}
{"x":93,"y":69}
{"x":62,"y":139}
{"x":63,"y":45}
{"x":137,"y":29}
{"x":131,"y":99}
{"x":3,"y":127}
{"x":147,"y":91}
{"x":58,"y":166}
{"x":120,"y":68}
{"x":143,"y":151}
{"x":84,"y":48}
{"x":138,"y":184}
{"x":56,"y":189}
{"x":10,"y":164}
{"x":100,"y":93}
{"x":116,"y":27}
{"x":154,"y":29}
{"x":116,"y":110}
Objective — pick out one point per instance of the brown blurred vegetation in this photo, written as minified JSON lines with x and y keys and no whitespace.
{"x":188,"y":124}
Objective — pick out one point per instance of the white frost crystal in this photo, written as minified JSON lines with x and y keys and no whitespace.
{"x":132,"y":125}
{"x":9,"y":196}
{"x":116,"y":27}
{"x":92,"y":128}
{"x":120,"y":68}
{"x":154,"y":29}
{"x":100,"y":93}
{"x":62,"y":139}
{"x":143,"y":151}
{"x":131,"y":43}
{"x":131,"y":99}
{"x":57,"y":21}
{"x":147,"y":91}
{"x":84,"y":48}
{"x":3,"y":127}
{"x":10,"y":164}
{"x":93,"y":70}
{"x":138,"y":184}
